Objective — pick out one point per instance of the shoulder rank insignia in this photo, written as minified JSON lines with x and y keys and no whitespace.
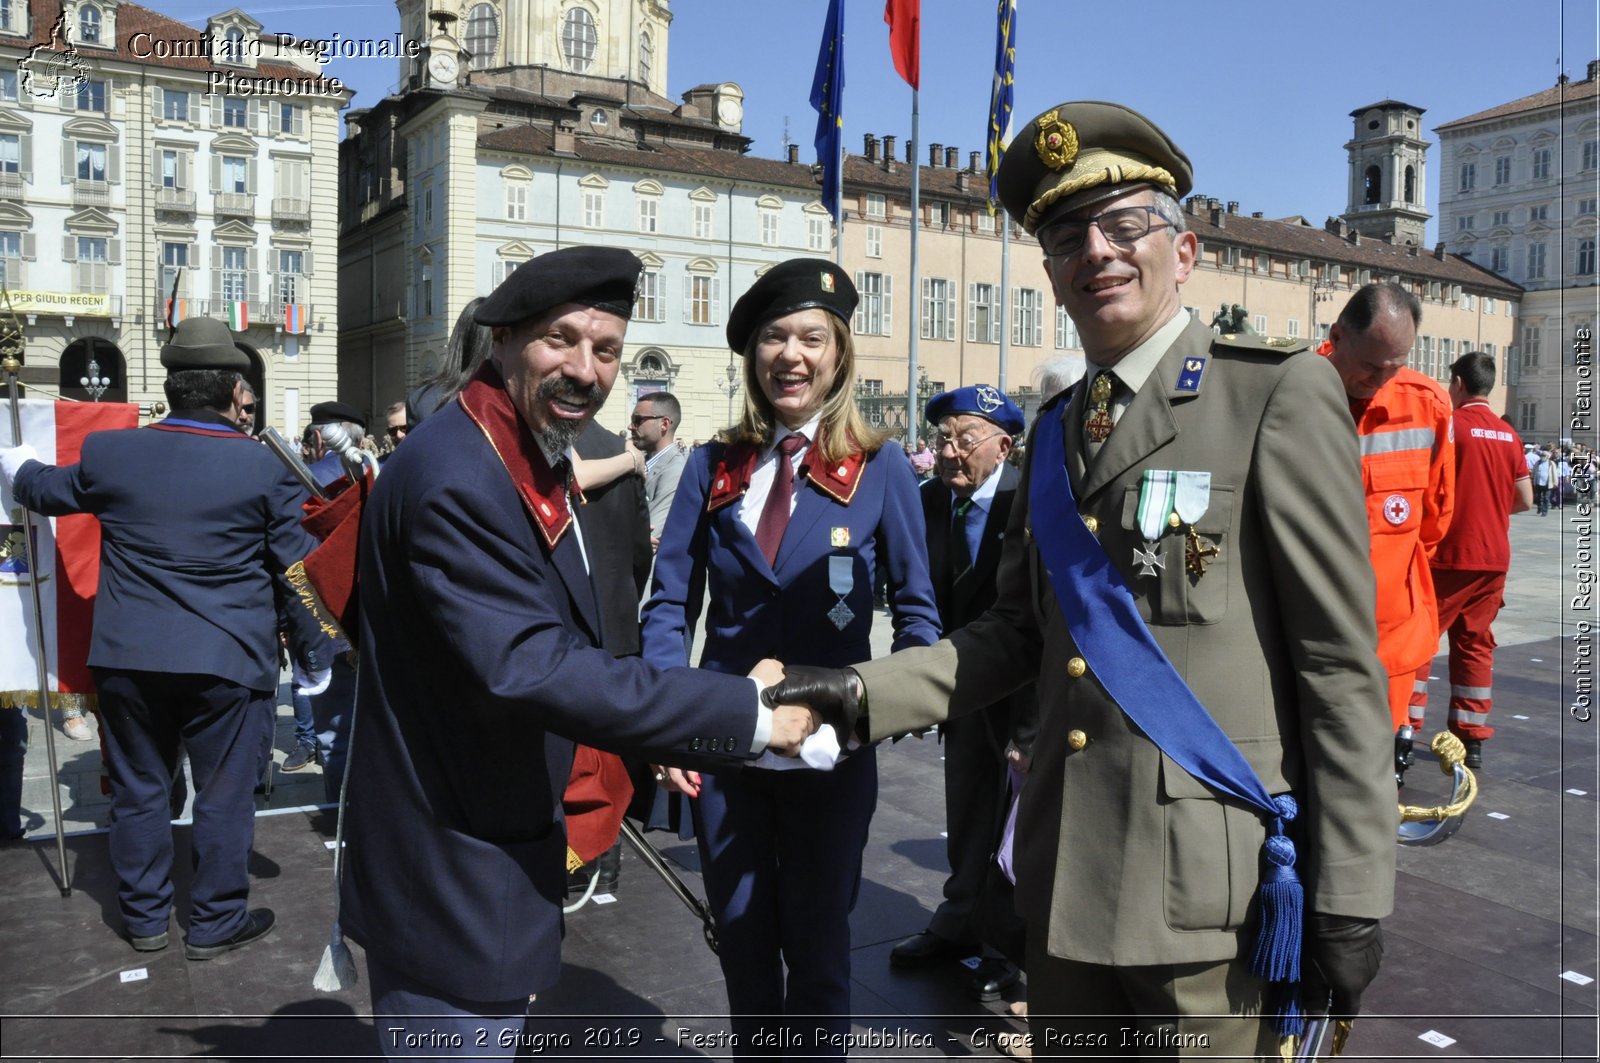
{"x":731,"y":475}
{"x":838,"y":480}
{"x":1193,"y":370}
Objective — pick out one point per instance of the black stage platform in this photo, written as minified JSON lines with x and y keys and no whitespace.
{"x":1491,"y":950}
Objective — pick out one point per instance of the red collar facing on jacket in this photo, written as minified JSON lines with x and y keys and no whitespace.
{"x":731,"y":476}
{"x":543,"y":492}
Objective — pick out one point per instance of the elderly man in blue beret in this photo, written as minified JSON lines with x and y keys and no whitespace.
{"x":966,"y":508}
{"x":482,"y":664}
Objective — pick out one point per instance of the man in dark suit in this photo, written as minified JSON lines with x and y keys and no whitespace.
{"x":481,"y":665}
{"x":197,"y":520}
{"x":966,"y":508}
{"x":1186,"y":577}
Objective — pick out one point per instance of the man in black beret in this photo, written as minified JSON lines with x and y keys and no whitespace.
{"x":482,"y":663}
{"x":1186,"y":577}
{"x":349,"y":423}
{"x":185,"y":649}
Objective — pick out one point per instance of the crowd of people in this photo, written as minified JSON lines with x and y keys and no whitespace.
{"x":1176,"y":646}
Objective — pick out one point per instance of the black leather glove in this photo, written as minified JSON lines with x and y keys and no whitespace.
{"x":1341,"y":959}
{"x":831,"y":692}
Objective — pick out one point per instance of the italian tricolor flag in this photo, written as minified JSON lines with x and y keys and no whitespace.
{"x":67,"y":554}
{"x":238,"y":315}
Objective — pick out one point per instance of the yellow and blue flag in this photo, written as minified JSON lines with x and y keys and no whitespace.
{"x":827,"y":96}
{"x":1005,"y":71}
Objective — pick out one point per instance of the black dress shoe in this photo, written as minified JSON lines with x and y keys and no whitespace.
{"x":256,"y":925}
{"x":152,"y":943}
{"x":925,"y":949}
{"x":992,"y":978}
{"x":1474,"y":758}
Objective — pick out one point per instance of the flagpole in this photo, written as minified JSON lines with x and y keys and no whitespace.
{"x":838,"y":212}
{"x":11,"y":365}
{"x":913,"y":298}
{"x":1005,"y":288}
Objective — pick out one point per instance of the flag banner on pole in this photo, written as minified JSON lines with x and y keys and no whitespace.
{"x":294,"y":318}
{"x":827,"y":96}
{"x":905,"y":38}
{"x":238,"y":315}
{"x":67,"y":552}
{"x":1005,"y":70}
{"x":177,"y":310}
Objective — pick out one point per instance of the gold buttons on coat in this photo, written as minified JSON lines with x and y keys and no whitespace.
{"x":1076,"y":667}
{"x":1092,"y":524}
{"x":1077,"y":739}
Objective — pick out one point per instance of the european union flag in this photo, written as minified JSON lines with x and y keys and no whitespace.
{"x":827,"y":96}
{"x":1005,"y":71}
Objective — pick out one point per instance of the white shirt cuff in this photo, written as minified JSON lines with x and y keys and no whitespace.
{"x":763,"y":733}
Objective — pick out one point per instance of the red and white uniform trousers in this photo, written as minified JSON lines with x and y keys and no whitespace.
{"x":1469,"y":600}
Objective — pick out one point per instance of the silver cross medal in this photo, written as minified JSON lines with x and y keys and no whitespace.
{"x":1149,"y":558}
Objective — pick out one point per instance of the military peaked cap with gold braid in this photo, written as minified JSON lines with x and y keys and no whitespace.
{"x":1085,"y":151}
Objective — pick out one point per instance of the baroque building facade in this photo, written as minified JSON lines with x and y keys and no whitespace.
{"x":142,"y":161}
{"x":1519,"y":189}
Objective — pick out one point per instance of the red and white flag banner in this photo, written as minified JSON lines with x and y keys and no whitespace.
{"x":67,"y":553}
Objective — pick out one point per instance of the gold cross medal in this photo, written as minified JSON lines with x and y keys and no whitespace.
{"x":1099,"y":423}
{"x":1156,"y":490}
{"x":1190,"y":502}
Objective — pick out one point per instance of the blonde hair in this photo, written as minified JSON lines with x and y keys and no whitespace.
{"x":841,"y":429}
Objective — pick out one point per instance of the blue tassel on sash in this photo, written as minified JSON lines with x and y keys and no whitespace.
{"x":1116,"y":644}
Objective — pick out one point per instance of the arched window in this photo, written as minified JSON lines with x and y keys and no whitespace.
{"x":89,"y":25}
{"x":1585,"y":263}
{"x":647,"y":54}
{"x":233,"y":46}
{"x":483,"y":36}
{"x":1374,"y":185}
{"x":1411,"y":184}
{"x":578,"y":40}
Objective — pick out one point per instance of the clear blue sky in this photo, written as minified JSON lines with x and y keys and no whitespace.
{"x":1257,"y":92}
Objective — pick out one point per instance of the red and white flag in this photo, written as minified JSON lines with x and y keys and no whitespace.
{"x":67,"y":555}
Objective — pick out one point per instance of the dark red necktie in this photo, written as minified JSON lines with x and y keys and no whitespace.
{"x":775,"y":514}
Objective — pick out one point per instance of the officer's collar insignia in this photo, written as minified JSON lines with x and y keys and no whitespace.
{"x":989,"y":399}
{"x":838,"y":480}
{"x":731,"y":476}
{"x":1193,"y":370}
{"x":542,"y":490}
{"x":1057,"y":142}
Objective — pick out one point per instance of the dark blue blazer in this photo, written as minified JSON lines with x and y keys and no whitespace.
{"x":758,"y":610}
{"x":197,"y":520}
{"x":480,"y":667}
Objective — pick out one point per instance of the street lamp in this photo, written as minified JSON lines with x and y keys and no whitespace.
{"x":95,"y":384}
{"x":729,"y":386}
{"x":1322,"y":289}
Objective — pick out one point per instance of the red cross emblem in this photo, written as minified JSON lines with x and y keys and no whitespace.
{"x":1396,"y":510}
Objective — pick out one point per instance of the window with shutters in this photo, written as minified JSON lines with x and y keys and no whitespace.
{"x":704,"y":225}
{"x":1027,"y":317}
{"x":235,"y":274}
{"x":877,"y":205}
{"x":819,"y":233}
{"x":235,"y":174}
{"x":290,"y":119}
{"x":292,"y":286}
{"x":1500,"y":218}
{"x":1469,"y":177}
{"x":93,"y":271}
{"x":648,"y":305}
{"x":1066,"y":331}
{"x":874,"y":313}
{"x":91,"y":161}
{"x":517,"y":200}
{"x":8,"y":81}
{"x":769,"y":228}
{"x":874,"y":240}
{"x":594,"y":208}
{"x":1536,"y":260}
{"x":175,"y":105}
{"x":1502,"y":170}
{"x":702,"y":299}
{"x":1591,"y":155}
{"x":983,"y":314}
{"x":938,"y":309}
{"x":92,"y":96}
{"x":1500,"y":258}
{"x":649,"y":213}
{"x":1527,"y":416}
{"x":1294,"y":328}
{"x":1260,"y":324}
{"x":1532,"y":344}
{"x":10,"y":259}
{"x":1541,"y":164}
{"x":1465,"y":222}
{"x":10,"y":153}
{"x":174,"y":268}
{"x":1586,"y":207}
{"x":235,"y":112}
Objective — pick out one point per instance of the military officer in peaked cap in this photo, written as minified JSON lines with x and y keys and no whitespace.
{"x":198,"y":523}
{"x":481,"y":665}
{"x":1186,"y":575}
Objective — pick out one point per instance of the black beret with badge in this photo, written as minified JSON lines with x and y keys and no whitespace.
{"x":329,"y":412}
{"x":1085,"y":151}
{"x":981,"y":400}
{"x":202,"y":343}
{"x":798,"y":284}
{"x":602,"y":277}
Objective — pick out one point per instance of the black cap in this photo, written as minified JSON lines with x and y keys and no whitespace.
{"x":604,"y":277}
{"x":329,"y":412}
{"x":1084,"y":151}
{"x":798,"y":284}
{"x":202,"y":343}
